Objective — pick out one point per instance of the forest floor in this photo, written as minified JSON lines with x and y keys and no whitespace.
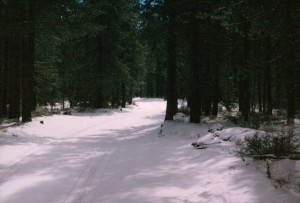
{"x":113,"y":156}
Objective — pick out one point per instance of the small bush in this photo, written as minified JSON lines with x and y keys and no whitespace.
{"x":279,"y":183}
{"x":184,"y":109}
{"x":258,"y":120}
{"x":40,"y":111}
{"x":268,"y":172}
{"x":255,"y":120}
{"x":279,"y":145}
{"x":85,"y":110}
{"x":233,"y":119}
{"x":280,"y":113}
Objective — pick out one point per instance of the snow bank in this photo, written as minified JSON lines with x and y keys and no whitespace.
{"x":119,"y":156}
{"x":252,"y":171}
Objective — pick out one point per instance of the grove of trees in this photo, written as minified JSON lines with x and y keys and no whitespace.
{"x":100,"y":53}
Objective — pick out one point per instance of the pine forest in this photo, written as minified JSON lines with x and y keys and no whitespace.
{"x":100,"y":53}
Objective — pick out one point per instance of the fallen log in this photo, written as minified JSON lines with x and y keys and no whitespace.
{"x":295,"y":156}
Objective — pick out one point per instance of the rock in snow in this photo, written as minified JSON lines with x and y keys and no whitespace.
{"x":215,"y":127}
{"x":179,"y":116}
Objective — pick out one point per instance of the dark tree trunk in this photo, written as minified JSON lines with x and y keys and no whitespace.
{"x":240,"y":92}
{"x":259,"y":92}
{"x":264,"y":99}
{"x":5,"y":79}
{"x":206,"y":104}
{"x":215,"y":92}
{"x":26,"y":100}
{"x":123,"y":103}
{"x":268,"y":77}
{"x":118,"y":99}
{"x":3,"y":58}
{"x":31,"y":49}
{"x":171,"y":67}
{"x":130,"y":95}
{"x":14,"y":59}
{"x":150,"y":88}
{"x":195,"y":93}
{"x":291,"y":65}
{"x":27,"y":49}
{"x":215,"y":98}
{"x":245,"y":80}
{"x":113,"y":101}
{"x":158,"y":78}
{"x":1,"y":68}
{"x":99,"y":97}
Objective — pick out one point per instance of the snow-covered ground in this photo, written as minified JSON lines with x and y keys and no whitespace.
{"x":112,"y":156}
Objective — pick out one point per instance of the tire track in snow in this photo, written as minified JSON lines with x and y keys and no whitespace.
{"x":79,"y":190}
{"x":14,"y":168}
{"x":100,"y":188}
{"x":88,"y":173}
{"x":90,"y":127}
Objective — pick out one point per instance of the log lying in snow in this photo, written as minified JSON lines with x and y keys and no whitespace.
{"x":203,"y":145}
{"x":272,"y":156}
{"x":67,"y":113}
{"x":215,"y":127}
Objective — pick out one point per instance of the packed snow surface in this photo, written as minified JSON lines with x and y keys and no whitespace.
{"x":112,"y":156}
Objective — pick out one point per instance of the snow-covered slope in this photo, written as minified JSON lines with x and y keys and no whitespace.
{"x":125,"y":156}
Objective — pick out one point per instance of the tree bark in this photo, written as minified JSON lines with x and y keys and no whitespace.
{"x":27,"y":49}
{"x":268,"y":76}
{"x":215,"y":91}
{"x":195,"y":95}
{"x":3,"y":12}
{"x":291,"y":65}
{"x":14,"y":59}
{"x":5,"y":79}
{"x":158,"y":77}
{"x":1,"y":67}
{"x":171,"y":66}
{"x":245,"y":80}
{"x":123,"y":103}
{"x":31,"y":49}
{"x":259,"y":94}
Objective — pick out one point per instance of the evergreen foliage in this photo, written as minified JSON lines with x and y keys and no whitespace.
{"x":98,"y":53}
{"x":277,"y":145}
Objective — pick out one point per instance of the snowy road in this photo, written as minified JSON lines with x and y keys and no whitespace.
{"x":117,"y":157}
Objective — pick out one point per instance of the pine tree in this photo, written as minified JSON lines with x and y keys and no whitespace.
{"x":171,"y":62}
{"x":15,"y":15}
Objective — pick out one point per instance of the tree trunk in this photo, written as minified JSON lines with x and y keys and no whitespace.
{"x":268,"y":76}
{"x":259,"y":94}
{"x":291,"y":65}
{"x":195,"y":94}
{"x":150,"y":88}
{"x":5,"y":79}
{"x":158,"y":78}
{"x":245,"y":83}
{"x":215,"y":91}
{"x":123,"y":103}
{"x":171,"y":67}
{"x":27,"y":49}
{"x":31,"y":50}
{"x":206,"y":105}
{"x":264,"y":99}
{"x":14,"y":59}
{"x":26,"y":101}
{"x":130,"y":95}
{"x":3,"y":58}
{"x":1,"y":68}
